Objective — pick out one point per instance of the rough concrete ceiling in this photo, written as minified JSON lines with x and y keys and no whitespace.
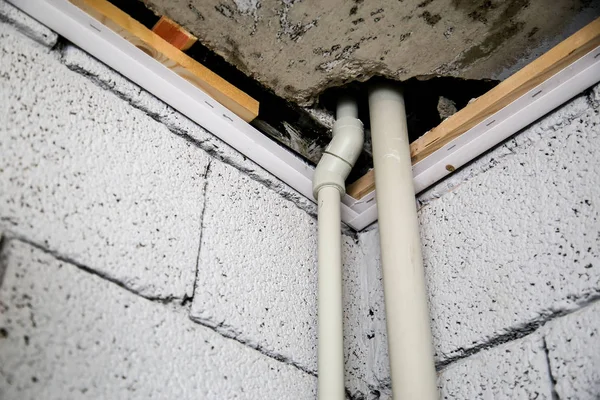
{"x":299,"y":48}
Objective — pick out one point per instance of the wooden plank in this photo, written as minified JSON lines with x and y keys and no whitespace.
{"x":222,"y":91}
{"x":362,"y":186}
{"x":532,"y":75}
{"x":173,"y":33}
{"x":559,"y":57}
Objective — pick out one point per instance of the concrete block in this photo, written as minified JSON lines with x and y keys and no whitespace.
{"x":257,"y":273}
{"x":94,"y":179}
{"x":40,"y":33}
{"x":594,"y":95}
{"x":257,"y":267}
{"x":513,"y":244}
{"x":572,"y":343}
{"x":357,"y":320}
{"x":78,"y":60}
{"x":516,"y":370}
{"x":516,"y":244}
{"x":375,"y":361}
{"x":67,"y":334}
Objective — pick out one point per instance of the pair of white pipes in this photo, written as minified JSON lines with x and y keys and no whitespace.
{"x":409,"y":335}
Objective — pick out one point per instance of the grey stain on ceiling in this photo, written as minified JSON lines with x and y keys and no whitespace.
{"x":300,"y":48}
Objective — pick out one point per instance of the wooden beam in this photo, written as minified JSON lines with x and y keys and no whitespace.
{"x":222,"y":91}
{"x":362,"y":186}
{"x":532,"y":75}
{"x":173,"y":33}
{"x":559,"y":57}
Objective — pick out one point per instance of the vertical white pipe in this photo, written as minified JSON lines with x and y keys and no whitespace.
{"x":346,"y":107}
{"x":409,"y":334}
{"x":328,"y":187}
{"x":330,"y":314}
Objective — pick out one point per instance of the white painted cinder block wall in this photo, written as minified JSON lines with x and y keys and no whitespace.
{"x":142,"y":257}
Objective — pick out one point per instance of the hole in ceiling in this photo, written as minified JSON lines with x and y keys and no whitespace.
{"x":428,"y":102}
{"x":308,"y":131}
{"x":289,"y":124}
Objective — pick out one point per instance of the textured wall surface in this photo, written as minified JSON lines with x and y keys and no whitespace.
{"x":515,"y":370}
{"x":143,"y":257}
{"x":572,"y":345}
{"x":511,"y":241}
{"x":73,"y":181}
{"x":70,"y":334}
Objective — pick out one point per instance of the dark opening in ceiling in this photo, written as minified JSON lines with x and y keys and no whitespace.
{"x":490,"y":33}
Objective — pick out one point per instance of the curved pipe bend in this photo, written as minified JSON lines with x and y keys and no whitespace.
{"x":343,"y":150}
{"x":328,"y":189}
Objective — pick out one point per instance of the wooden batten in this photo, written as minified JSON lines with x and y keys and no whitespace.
{"x":362,"y":186}
{"x":161,"y":50}
{"x":173,"y":33}
{"x":532,"y":75}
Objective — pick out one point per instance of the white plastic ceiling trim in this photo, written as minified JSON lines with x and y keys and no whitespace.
{"x":124,"y":57}
{"x":98,"y":40}
{"x":534,"y":104}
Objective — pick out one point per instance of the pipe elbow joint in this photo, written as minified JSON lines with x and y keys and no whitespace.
{"x":340,"y":155}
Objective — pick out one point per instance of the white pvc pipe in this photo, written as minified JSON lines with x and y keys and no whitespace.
{"x":328,"y":188}
{"x":408,"y":331}
{"x":346,"y":107}
{"x":330,"y":313}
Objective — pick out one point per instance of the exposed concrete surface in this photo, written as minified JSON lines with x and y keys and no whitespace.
{"x":572,"y":344}
{"x":66,"y":334}
{"x":299,"y":48}
{"x":93,"y":179}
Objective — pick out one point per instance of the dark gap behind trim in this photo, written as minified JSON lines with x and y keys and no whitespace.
{"x":273,"y":112}
{"x":306,"y":136}
{"x":421,"y":98}
{"x":138,"y":11}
